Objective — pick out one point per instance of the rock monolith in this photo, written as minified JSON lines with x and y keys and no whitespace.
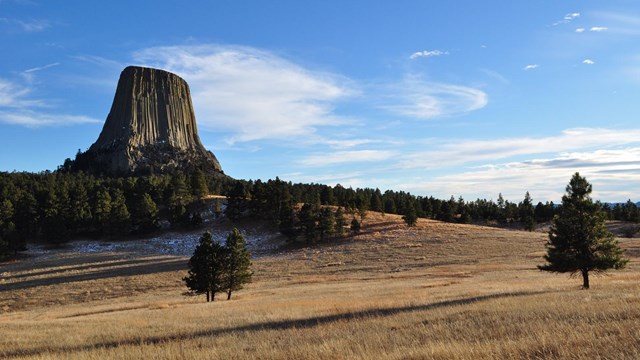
{"x":151,"y":128}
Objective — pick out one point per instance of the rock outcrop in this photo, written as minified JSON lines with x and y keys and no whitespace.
{"x":151,"y":128}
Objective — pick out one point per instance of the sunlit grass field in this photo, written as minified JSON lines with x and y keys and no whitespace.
{"x":436,"y":291}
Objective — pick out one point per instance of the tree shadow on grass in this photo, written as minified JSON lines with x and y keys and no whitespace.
{"x":122,"y":268}
{"x":306,"y":323}
{"x":88,"y":265}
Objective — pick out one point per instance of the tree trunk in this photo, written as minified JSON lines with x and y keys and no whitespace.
{"x":229,"y":295}
{"x":207,"y":295}
{"x":585,"y":279}
{"x":213,"y":296}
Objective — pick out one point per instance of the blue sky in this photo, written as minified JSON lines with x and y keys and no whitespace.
{"x":464,"y":98}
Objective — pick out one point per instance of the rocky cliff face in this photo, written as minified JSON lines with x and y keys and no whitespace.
{"x":151,"y":128}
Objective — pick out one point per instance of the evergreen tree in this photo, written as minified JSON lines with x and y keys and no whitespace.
{"x":199,"y":187}
{"x":177,"y":196}
{"x":327,"y":197}
{"x":236,"y":201}
{"x":501,"y":209}
{"x":7,"y":228}
{"x":287,"y":222}
{"x":341,"y":222}
{"x":206,"y":267}
{"x":527,"y":213}
{"x":309,"y":222}
{"x":54,"y":228}
{"x":355,"y":226}
{"x":77,"y":210}
{"x":410,"y":217}
{"x":237,"y":264}
{"x":119,"y":219}
{"x":146,"y":214}
{"x":102,"y":210}
{"x":26,"y":218}
{"x":375,"y":204}
{"x":578,"y":240}
{"x":326,"y":223}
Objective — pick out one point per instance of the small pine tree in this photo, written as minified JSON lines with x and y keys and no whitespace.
{"x":355,"y":226}
{"x":410,"y":217}
{"x":579,"y":241}
{"x":206,"y":267}
{"x":341,"y":222}
{"x":237,"y":264}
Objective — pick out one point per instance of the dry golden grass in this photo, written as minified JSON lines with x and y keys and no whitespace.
{"x":437,"y":291}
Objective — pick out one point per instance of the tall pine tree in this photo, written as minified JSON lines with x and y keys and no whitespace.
{"x":238,"y":263}
{"x":206,"y":267}
{"x":527,"y":215}
{"x":579,"y":242}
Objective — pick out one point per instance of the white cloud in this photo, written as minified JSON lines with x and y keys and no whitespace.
{"x":567,"y":18}
{"x":40,"y":68}
{"x":531,"y":66}
{"x":13,"y":95}
{"x":342,"y":157}
{"x":348,"y":143}
{"x":421,"y":99}
{"x":463,"y":152}
{"x":571,"y":16}
{"x":580,"y":30}
{"x":16,"y":108}
{"x":428,"y":53}
{"x":598,"y":29}
{"x":29,"y":73}
{"x":30,"y":118}
{"x":588,"y":62}
{"x":615,"y":175}
{"x":253,"y":93}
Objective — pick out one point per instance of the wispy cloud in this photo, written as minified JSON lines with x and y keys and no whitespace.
{"x":29,"y":73}
{"x":12,"y":95}
{"x":427,"y":53}
{"x":252,"y":93}
{"x":32,"y":25}
{"x":627,"y":24}
{"x":18,"y":109}
{"x":567,"y":18}
{"x":465,"y":152}
{"x":30,"y":118}
{"x":531,"y":67}
{"x":348,"y":143}
{"x":41,"y":67}
{"x":588,"y":62}
{"x":615,"y":175}
{"x":342,"y":157}
{"x":420,"y":99}
{"x":581,"y":30}
{"x":496,"y":75}
{"x":598,"y":29}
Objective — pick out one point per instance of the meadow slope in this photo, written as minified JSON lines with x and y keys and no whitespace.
{"x":436,"y":291}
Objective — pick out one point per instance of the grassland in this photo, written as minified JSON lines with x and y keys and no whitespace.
{"x":437,"y":291}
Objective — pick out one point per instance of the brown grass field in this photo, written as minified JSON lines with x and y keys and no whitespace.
{"x":436,"y":291}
